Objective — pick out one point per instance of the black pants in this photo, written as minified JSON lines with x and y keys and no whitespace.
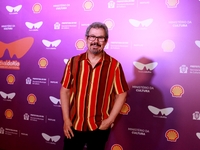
{"x":94,"y":140}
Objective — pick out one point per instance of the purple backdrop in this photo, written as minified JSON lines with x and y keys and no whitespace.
{"x":157,"y":43}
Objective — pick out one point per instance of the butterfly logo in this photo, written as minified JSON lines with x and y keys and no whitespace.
{"x":49,"y":43}
{"x":65,"y":61}
{"x":198,"y":135}
{"x":13,"y":9}
{"x":54,"y":100}
{"x":144,"y":23}
{"x":52,"y":138}
{"x":164,"y":111}
{"x":149,"y":66}
{"x":19,"y":47}
{"x":36,"y":25}
{"x":9,"y":96}
{"x":197,"y":43}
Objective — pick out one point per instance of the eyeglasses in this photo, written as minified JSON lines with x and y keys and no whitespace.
{"x":93,"y":38}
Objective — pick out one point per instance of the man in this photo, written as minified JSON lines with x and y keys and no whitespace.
{"x":92,"y":94}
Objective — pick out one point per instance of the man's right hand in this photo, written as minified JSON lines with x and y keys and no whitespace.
{"x":67,"y":129}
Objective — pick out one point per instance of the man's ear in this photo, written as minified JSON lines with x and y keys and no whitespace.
{"x":106,"y":41}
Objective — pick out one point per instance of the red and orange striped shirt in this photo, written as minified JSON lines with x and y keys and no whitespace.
{"x":92,"y":89}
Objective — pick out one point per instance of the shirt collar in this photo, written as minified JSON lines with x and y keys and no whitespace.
{"x":105,"y":56}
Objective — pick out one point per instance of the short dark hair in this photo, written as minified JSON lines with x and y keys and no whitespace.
{"x":97,"y":25}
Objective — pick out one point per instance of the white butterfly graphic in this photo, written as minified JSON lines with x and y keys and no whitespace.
{"x":198,"y":134}
{"x":149,"y":66}
{"x":53,"y":138}
{"x":164,"y":111}
{"x":197,"y":43}
{"x":9,"y":96}
{"x":34,"y":25}
{"x":49,"y":43}
{"x":54,"y":100}
{"x":144,"y":23}
{"x":13,"y":9}
{"x":66,"y":60}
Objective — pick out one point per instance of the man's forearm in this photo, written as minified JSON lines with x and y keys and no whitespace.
{"x":119,"y":102}
{"x":65,"y":102}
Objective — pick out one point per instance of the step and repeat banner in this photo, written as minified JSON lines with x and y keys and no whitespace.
{"x":157,"y":43}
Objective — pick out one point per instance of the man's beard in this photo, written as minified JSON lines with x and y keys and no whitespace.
{"x":96,"y":51}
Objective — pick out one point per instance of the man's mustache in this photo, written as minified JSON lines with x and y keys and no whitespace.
{"x":95,"y":44}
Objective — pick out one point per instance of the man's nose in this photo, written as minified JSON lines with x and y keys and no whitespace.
{"x":96,"y":39}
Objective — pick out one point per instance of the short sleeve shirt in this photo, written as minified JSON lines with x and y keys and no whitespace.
{"x":93,"y":89}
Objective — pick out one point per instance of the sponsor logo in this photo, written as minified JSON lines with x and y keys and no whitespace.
{"x":116,"y":147}
{"x":10,"y":79}
{"x":183,"y":69}
{"x":33,"y":26}
{"x":43,"y":62}
{"x":28,"y":80}
{"x":1,"y":130}
{"x":177,"y":91}
{"x":193,"y":69}
{"x":13,"y":10}
{"x":143,"y":23}
{"x":51,"y":44}
{"x":31,"y":98}
{"x":19,"y":47}
{"x":125,"y":109}
{"x":26,"y":116}
{"x":180,"y":23}
{"x":171,"y":135}
{"x":40,"y":81}
{"x":149,"y":66}
{"x":197,"y":42}
{"x":57,"y":26}
{"x":12,"y":132}
{"x":138,"y":131}
{"x":117,"y":45}
{"x":111,"y":4}
{"x":34,"y":117}
{"x":66,"y":60}
{"x":143,"y":89}
{"x":80,"y":44}
{"x":36,"y":81}
{"x":171,"y":3}
{"x":51,"y":139}
{"x":88,"y":5}
{"x":109,"y":23}
{"x":168,"y":46}
{"x":122,"y":3}
{"x":8,"y":26}
{"x":160,"y":113}
{"x":55,"y":101}
{"x":37,"y":7}
{"x":9,"y":64}
{"x":7,"y":97}
{"x":198,"y":134}
{"x":61,"y":6}
{"x":65,"y":25}
{"x":196,"y":115}
{"x":8,"y":131}
{"x":9,"y":114}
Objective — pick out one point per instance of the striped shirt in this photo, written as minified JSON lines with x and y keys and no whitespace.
{"x":93,"y":90}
